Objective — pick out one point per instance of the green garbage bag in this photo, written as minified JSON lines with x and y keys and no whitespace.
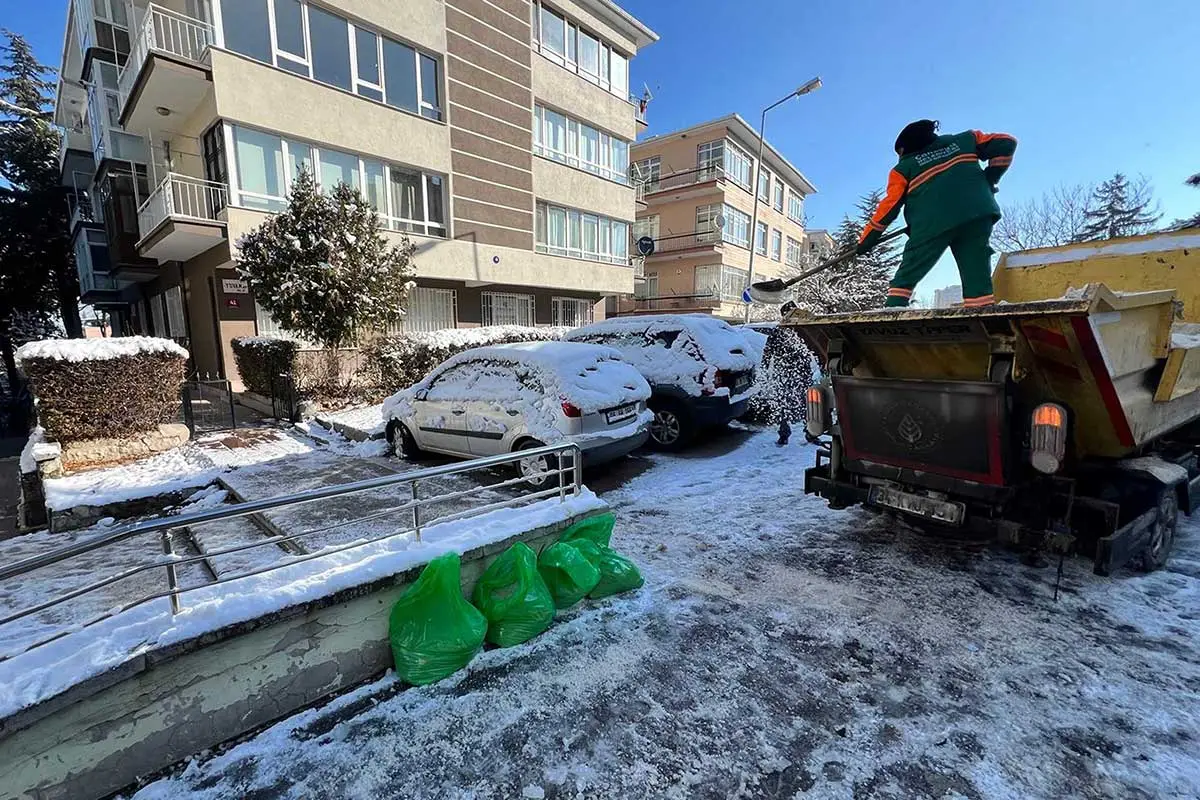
{"x":568,"y":575}
{"x":433,"y":630}
{"x":598,"y":529}
{"x":513,"y":597}
{"x":617,"y":573}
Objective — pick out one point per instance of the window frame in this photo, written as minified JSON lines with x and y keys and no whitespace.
{"x":487,"y":313}
{"x":558,"y":304}
{"x":776,"y":244}
{"x":778,"y":197}
{"x":761,"y":227}
{"x":795,"y":209}
{"x":764,"y":193}
{"x":570,"y":56}
{"x":573,"y":152}
{"x":798,"y":249}
{"x":612,"y":235}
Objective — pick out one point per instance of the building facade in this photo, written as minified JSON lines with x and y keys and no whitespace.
{"x":948,"y":297}
{"x":495,"y":134}
{"x":697,"y":207}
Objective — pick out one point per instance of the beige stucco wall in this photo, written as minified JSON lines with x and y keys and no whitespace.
{"x":574,"y":188}
{"x":264,"y":97}
{"x":463,"y":260}
{"x":559,"y":88}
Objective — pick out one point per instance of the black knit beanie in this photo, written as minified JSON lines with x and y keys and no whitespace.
{"x":916,"y":136}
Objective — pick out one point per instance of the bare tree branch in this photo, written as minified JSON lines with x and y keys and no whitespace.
{"x":1055,"y":218}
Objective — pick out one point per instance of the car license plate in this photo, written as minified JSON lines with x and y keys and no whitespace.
{"x":946,"y":511}
{"x":741,"y":384}
{"x":620,"y":414}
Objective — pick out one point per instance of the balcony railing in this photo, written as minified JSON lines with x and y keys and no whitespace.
{"x":639,"y":110}
{"x":169,"y":32}
{"x":691,"y":177}
{"x":184,"y":198}
{"x":83,"y":211}
{"x":687,"y":241}
{"x":670,"y":302}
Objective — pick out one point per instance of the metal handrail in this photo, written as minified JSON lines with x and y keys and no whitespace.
{"x":689,"y":177}
{"x":172,"y":562}
{"x":167,"y":31}
{"x":181,"y":197}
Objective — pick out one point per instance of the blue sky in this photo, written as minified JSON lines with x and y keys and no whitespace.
{"x":1089,"y":87}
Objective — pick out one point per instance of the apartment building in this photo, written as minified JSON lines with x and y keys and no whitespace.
{"x":698,"y":203}
{"x":495,"y":134}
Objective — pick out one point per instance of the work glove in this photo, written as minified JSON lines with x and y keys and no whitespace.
{"x":995,"y":188}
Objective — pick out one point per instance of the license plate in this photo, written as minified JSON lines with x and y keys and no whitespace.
{"x":620,"y":414}
{"x":742,"y":383}
{"x":946,"y":511}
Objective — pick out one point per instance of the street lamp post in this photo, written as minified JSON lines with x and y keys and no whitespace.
{"x":811,"y":86}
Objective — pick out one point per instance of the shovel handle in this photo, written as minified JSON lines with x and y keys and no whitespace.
{"x":841,"y":257}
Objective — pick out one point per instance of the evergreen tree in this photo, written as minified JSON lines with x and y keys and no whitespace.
{"x":1119,"y":208}
{"x":37,"y":268}
{"x":1194,"y":222}
{"x":858,"y":284}
{"x":322,"y":268}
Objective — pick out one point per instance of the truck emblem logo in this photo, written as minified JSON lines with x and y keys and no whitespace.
{"x":911,"y":426}
{"x":909,"y":430}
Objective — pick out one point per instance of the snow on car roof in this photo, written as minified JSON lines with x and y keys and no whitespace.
{"x":591,"y":377}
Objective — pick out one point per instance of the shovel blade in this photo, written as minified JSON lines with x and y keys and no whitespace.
{"x":761,"y":293}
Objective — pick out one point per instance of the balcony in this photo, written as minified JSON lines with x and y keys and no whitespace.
{"x":668,"y":304}
{"x":181,"y":218}
{"x":690,"y":183}
{"x":166,"y":77}
{"x":687,"y":245}
{"x":639,"y":110}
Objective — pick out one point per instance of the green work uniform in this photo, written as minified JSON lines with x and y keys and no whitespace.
{"x":948,"y":201}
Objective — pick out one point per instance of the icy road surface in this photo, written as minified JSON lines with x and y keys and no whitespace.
{"x":780,"y":649}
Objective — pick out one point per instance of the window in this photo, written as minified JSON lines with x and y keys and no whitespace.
{"x":646,"y":288}
{"x":737,"y":226}
{"x":569,"y":141}
{"x":737,"y":165}
{"x":648,"y":170}
{"x":503,"y":308}
{"x":717,"y":280}
{"x":571,"y":312}
{"x":764,"y":185}
{"x":779,"y":195}
{"x":795,"y":210}
{"x":156,"y":311}
{"x":247,"y":28}
{"x":259,"y":169}
{"x":706,"y":222}
{"x":173,"y":301}
{"x":794,"y":252}
{"x":428,"y":310}
{"x":586,"y":54}
{"x":646,"y":226}
{"x":567,"y":232}
{"x":760,"y":238}
{"x":406,"y":199}
{"x":710,"y":157}
{"x":291,"y":48}
{"x":368,"y":74}
{"x":212,"y":143}
{"x":309,"y":41}
{"x":776,"y":245}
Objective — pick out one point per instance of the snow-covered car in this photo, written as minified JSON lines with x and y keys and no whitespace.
{"x":510,"y":397}
{"x":700,"y":369}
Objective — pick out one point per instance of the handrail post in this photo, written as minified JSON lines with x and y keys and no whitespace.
{"x":577,"y":454}
{"x":172,"y":578}
{"x":562,"y":478}
{"x":416,"y":509}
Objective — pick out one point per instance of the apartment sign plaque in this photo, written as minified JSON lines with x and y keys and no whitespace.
{"x":234,"y":286}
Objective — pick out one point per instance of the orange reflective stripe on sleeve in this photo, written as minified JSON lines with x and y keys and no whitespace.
{"x":1000,"y":161}
{"x":896,"y":186}
{"x":984,"y":138}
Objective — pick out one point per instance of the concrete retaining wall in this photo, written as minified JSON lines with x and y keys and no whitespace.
{"x":163,"y":706}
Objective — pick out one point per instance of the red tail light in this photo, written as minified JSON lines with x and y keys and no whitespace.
{"x":1048,"y":438}
{"x":817,"y":410}
{"x":571,"y":410}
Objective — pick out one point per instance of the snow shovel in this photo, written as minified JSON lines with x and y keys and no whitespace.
{"x":771,"y":292}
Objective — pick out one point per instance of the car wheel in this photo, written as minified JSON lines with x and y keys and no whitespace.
{"x":670,"y":429}
{"x":538,"y":471}
{"x":403,"y":444}
{"x":1162,"y":535}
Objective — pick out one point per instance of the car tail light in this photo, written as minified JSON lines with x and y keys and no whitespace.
{"x":571,"y":410}
{"x":817,"y":408}
{"x":1048,"y":438}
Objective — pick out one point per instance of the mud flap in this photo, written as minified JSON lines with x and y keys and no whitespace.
{"x":1115,"y":551}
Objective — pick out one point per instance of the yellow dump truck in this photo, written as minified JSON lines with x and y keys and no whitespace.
{"x":1064,"y":418}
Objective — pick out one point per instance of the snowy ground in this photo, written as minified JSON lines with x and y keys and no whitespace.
{"x":779,"y":649}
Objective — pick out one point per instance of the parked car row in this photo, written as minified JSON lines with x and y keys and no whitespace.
{"x":607,"y":387}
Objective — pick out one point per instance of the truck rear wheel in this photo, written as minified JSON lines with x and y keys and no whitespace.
{"x":1162,"y":535}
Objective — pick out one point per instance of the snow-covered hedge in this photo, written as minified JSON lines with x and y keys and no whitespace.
{"x":260,"y":359}
{"x":397,"y":362}
{"x":104,"y":388}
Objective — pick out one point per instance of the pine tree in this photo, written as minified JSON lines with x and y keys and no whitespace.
{"x":1119,"y":208}
{"x":860,"y":283}
{"x":322,"y":268}
{"x":37,"y":268}
{"x":1194,"y":222}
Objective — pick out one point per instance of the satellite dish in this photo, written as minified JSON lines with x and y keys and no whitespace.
{"x":719,"y":222}
{"x":645,"y":245}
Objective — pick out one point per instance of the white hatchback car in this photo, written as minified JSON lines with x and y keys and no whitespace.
{"x":511,"y":397}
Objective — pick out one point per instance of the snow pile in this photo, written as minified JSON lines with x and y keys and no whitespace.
{"x":35,"y":448}
{"x":462,"y":338}
{"x":99,"y":349}
{"x":1185,"y":335}
{"x":48,"y":670}
{"x":684,"y":351}
{"x":1162,"y":243}
{"x":366,"y":419}
{"x":756,"y":342}
{"x":183,"y":468}
{"x":533,"y":379}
